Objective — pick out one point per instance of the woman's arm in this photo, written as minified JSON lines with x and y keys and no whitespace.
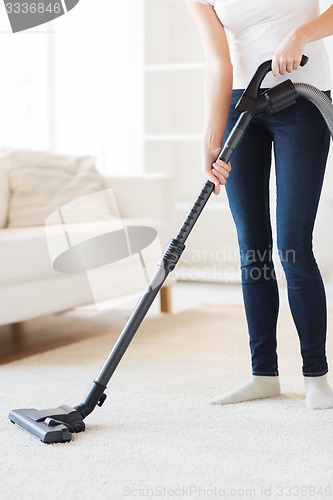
{"x":289,"y":53}
{"x":218,"y":85}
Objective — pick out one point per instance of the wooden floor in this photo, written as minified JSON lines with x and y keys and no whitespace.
{"x":42,"y":334}
{"x":49,"y":332}
{"x":39,"y":335}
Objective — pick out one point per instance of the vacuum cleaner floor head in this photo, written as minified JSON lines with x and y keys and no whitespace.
{"x":54,"y":425}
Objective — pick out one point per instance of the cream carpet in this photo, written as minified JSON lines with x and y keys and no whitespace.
{"x":156,"y":435}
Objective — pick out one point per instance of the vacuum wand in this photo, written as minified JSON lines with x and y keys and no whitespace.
{"x":57,"y":424}
{"x":283,"y":97}
{"x":167,"y":263}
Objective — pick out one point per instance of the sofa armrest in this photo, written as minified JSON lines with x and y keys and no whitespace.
{"x":145,"y":196}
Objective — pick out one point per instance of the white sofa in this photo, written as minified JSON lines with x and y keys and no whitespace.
{"x":30,"y":287}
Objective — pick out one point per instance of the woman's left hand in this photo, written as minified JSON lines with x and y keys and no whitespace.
{"x":288,"y":55}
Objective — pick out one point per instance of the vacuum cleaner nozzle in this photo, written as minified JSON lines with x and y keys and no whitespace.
{"x":54,"y":425}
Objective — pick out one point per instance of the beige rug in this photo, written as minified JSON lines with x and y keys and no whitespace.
{"x":157,"y":436}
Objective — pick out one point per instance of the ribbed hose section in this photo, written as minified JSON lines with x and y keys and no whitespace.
{"x":319,"y":99}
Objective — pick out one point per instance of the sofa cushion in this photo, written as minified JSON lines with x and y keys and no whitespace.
{"x":4,"y":196}
{"x":41,"y":183}
{"x":27,"y":254}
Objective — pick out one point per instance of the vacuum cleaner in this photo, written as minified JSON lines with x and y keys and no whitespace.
{"x":57,"y":425}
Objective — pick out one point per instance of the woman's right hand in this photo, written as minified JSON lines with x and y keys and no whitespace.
{"x":217,"y":171}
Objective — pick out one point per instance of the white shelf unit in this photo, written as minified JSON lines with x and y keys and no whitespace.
{"x":174,"y":113}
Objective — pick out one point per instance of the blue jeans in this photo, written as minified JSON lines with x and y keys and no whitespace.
{"x":300,"y":142}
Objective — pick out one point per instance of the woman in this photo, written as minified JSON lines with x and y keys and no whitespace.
{"x":282,"y":31}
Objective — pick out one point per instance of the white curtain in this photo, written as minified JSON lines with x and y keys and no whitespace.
{"x":76,"y":85}
{"x":121,"y":60}
{"x":24,"y":97}
{"x":97,"y":83}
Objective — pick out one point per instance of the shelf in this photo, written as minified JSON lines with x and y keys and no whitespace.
{"x":174,"y":103}
{"x":174,"y":73}
{"x":208,"y":275}
{"x":192,"y":66}
{"x":172,"y":137}
{"x":184,"y":206}
{"x":166,"y":22}
{"x":161,"y":1}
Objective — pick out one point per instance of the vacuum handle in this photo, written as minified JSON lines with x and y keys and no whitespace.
{"x":229,"y":147}
{"x":231,"y":143}
{"x":195,"y":212}
{"x":264,"y":68}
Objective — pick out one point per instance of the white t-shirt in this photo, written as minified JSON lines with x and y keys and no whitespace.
{"x":255,"y":28}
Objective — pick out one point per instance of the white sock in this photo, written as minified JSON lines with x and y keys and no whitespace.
{"x":257,"y":387}
{"x":319,"y":394}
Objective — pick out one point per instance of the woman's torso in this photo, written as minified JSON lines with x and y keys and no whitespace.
{"x":255,"y":28}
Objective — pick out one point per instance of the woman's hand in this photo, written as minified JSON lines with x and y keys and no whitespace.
{"x":217,"y":171}
{"x":289,"y":54}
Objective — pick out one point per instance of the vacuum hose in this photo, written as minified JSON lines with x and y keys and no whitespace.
{"x":319,"y":99}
